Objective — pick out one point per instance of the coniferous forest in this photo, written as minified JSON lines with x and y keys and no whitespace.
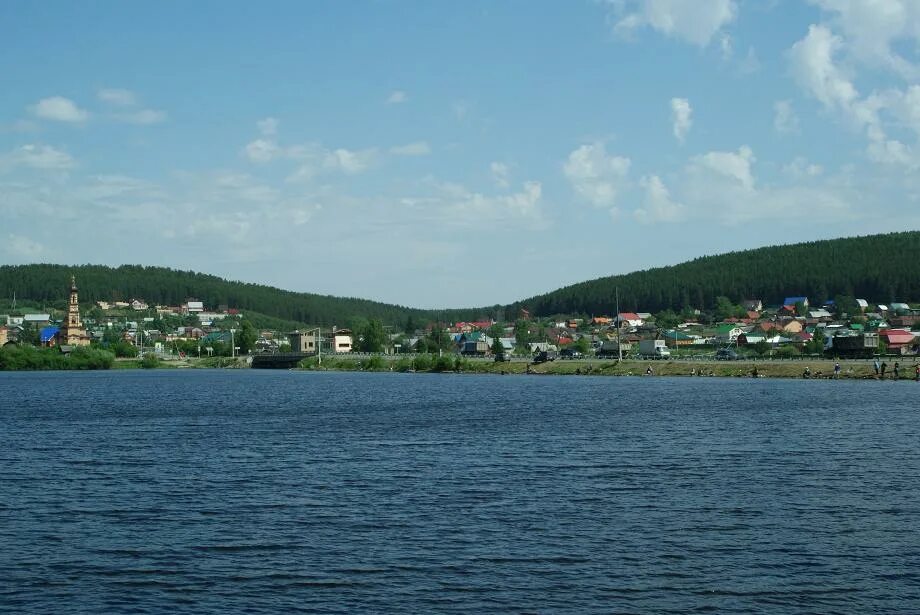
{"x":880,"y":268}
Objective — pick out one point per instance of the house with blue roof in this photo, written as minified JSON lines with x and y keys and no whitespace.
{"x":47,"y":336}
{"x":792,"y":301}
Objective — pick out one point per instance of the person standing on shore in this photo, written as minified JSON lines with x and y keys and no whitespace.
{"x":884,"y":368}
{"x":876,"y":365}
{"x":836,"y":370}
{"x":897,"y":369}
{"x":917,"y":372}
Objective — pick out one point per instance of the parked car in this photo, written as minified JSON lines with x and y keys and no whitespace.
{"x":501,"y":357}
{"x":570,"y":353}
{"x":727,"y":354}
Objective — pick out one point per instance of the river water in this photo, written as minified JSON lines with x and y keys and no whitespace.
{"x":275,"y":491}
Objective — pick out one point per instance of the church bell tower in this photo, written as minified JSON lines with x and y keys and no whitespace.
{"x":72,"y":332}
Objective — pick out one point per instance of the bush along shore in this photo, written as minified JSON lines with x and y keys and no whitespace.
{"x":817,"y":369}
{"x":16,"y":358}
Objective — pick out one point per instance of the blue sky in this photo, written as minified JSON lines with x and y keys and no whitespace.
{"x":442,"y":154}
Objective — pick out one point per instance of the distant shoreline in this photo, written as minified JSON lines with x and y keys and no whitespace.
{"x":818,"y":369}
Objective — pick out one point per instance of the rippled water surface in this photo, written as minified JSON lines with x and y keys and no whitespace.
{"x":264,"y":492}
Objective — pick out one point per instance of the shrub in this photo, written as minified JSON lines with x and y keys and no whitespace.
{"x":375,"y":363}
{"x":403,"y":365}
{"x":150,"y":361}
{"x":422,"y":363}
{"x":443,"y":364}
{"x":787,"y":352}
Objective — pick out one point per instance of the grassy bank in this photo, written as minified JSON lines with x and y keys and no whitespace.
{"x":818,"y":368}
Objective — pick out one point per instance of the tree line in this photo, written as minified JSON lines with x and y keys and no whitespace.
{"x":881,"y":268}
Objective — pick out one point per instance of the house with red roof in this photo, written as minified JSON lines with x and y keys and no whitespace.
{"x":632,"y":318}
{"x":899,"y":341}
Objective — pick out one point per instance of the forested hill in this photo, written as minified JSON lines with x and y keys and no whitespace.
{"x":49,"y":284}
{"x":879,"y":268}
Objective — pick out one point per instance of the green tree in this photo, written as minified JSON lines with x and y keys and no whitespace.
{"x":582,"y":345}
{"x":522,"y":334}
{"x":497,"y":347}
{"x":496,"y":331}
{"x":667,"y":319}
{"x":373,"y":338}
{"x":246,"y":337}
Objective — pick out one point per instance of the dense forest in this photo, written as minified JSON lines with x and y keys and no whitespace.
{"x":876,"y":267}
{"x":48,"y":285}
{"x":881,"y":268}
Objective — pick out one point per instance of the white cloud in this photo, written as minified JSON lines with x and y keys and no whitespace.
{"x":268,"y":127}
{"x":875,"y":28}
{"x":37,"y":157}
{"x":142,"y":117}
{"x":350,"y":162}
{"x":726,"y":46}
{"x":657,"y":205}
{"x":418,"y":148}
{"x":735,"y":166}
{"x":596,"y":176}
{"x":693,"y":21}
{"x":814,"y":68}
{"x":801,"y":168}
{"x":262,"y":151}
{"x":500,"y":174}
{"x":59,"y":109}
{"x":397,"y":97}
{"x":785,"y":119}
{"x":457,"y":205}
{"x":117,"y":96}
{"x":681,"y":118}
{"x":722,"y":185}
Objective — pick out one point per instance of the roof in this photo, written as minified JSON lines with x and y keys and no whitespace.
{"x":629,"y":316}
{"x":794,"y":300}
{"x":36,"y":317}
{"x":47,"y":334}
{"x":676,"y":335}
{"x":897,"y":336}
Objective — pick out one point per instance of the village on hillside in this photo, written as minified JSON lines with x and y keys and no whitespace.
{"x":844,"y":327}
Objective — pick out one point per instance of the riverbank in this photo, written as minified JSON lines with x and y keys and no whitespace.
{"x":817,"y":369}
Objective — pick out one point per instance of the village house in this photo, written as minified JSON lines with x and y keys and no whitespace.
{"x":630,"y":318}
{"x":898,"y":341}
{"x":342,"y":340}
{"x":793,"y":301}
{"x":727,"y":333}
{"x":192,"y":306}
{"x":4,"y":334}
{"x":303,"y":342}
{"x":752,"y":305}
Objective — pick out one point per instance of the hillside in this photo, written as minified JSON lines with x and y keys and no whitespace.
{"x":48,"y":284}
{"x":877,"y":267}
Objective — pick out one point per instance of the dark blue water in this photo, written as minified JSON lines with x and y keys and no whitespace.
{"x":266,"y":492}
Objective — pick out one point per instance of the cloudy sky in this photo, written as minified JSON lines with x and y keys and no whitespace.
{"x":451,"y":154}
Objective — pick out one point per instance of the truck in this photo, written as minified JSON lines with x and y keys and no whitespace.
{"x":611,"y":350}
{"x":544,"y":355}
{"x":654,"y":349}
{"x":475,"y":349}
